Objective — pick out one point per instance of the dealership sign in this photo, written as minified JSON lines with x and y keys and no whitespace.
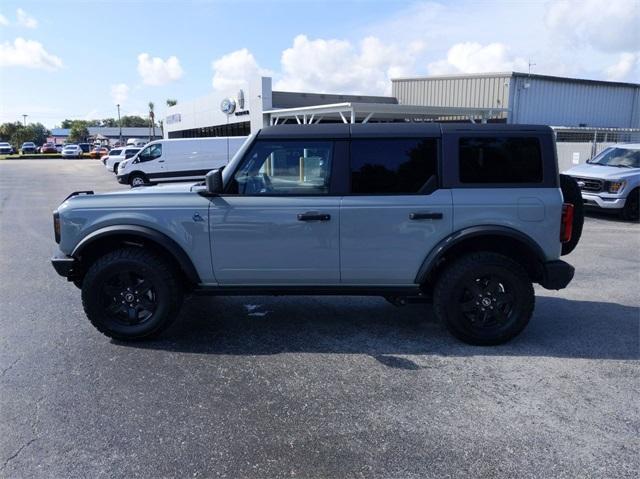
{"x":228,"y":106}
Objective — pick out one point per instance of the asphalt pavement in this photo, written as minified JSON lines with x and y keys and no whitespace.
{"x":263,"y":387}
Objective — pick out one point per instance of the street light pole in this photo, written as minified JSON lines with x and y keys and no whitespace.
{"x":24,"y":119}
{"x":119,"y":123}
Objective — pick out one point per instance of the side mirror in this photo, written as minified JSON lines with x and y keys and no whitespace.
{"x":213,"y":180}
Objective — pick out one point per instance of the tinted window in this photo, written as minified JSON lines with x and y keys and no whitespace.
{"x":399,"y":166}
{"x":500,"y":160}
{"x":286,"y":168}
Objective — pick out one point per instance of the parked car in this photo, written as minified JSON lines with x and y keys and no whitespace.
{"x":99,"y":152}
{"x":465,"y":216}
{"x":114,"y":160}
{"x":28,"y":147}
{"x":59,"y":148}
{"x":113,"y":152}
{"x":48,"y":148}
{"x":178,"y":160}
{"x":137,"y":142}
{"x":71,"y":151}
{"x":6,"y":148}
{"x":611,"y":180}
{"x":85,"y":147}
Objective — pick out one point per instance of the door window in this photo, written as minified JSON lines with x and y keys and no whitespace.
{"x":402,"y":166}
{"x":151,"y":152}
{"x":284,"y":168}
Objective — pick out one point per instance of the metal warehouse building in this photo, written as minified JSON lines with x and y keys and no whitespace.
{"x":529,"y":99}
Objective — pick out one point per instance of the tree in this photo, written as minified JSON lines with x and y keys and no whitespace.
{"x":152,"y":121}
{"x":171,"y":102}
{"x":7,"y":130}
{"x":16,"y":133}
{"x":79,"y":132}
{"x":133,"y":120}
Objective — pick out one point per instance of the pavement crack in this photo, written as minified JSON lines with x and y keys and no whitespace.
{"x":8,"y":368}
{"x":17,"y":453}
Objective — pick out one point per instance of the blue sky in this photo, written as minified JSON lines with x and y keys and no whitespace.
{"x":76,"y":59}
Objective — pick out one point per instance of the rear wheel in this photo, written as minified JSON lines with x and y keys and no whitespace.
{"x":484,"y":298}
{"x":131,"y":294}
{"x":631,"y":210}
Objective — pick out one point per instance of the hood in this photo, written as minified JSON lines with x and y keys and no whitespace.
{"x":134,"y":197}
{"x":588,"y":170}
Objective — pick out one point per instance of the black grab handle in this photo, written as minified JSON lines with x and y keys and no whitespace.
{"x":425,"y":216}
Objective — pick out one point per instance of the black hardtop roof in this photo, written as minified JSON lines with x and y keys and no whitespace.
{"x":347,"y":130}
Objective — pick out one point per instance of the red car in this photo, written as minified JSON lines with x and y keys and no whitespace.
{"x":48,"y":148}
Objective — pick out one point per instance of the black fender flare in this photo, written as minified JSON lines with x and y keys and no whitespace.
{"x":173,"y":248}
{"x":457,"y":237}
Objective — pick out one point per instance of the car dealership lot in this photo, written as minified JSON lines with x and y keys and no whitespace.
{"x":309,"y":386}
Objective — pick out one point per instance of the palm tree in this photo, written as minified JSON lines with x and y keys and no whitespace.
{"x":171,"y":102}
{"x":153,"y":121}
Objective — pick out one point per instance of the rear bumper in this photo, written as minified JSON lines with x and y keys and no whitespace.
{"x":64,"y":265}
{"x":597,"y":201}
{"x":556,"y":274}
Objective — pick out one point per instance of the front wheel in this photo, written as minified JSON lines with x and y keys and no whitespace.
{"x":631,"y":210}
{"x":137,"y":179}
{"x":484,"y":298}
{"x":131,"y":294}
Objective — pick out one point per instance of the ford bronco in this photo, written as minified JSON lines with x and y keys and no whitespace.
{"x":464,"y":216}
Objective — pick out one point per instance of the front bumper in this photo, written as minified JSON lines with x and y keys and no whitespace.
{"x":64,"y":265}
{"x":123,"y":179}
{"x":605,"y":202}
{"x":556,"y":274}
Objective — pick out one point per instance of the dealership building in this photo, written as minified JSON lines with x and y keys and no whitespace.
{"x":510,"y":97}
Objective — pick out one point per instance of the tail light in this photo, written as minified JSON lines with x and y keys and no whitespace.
{"x":566,"y":225}
{"x":56,"y":226}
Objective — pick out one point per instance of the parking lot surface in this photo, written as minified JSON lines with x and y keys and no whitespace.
{"x":309,"y":386}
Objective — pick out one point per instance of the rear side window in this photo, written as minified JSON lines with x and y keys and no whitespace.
{"x":500,"y":160}
{"x":402,"y":166}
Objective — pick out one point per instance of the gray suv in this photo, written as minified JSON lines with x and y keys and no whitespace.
{"x":466,"y":217}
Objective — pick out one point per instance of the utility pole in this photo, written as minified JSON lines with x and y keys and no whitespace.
{"x":24,"y":119}
{"x":119,"y":123}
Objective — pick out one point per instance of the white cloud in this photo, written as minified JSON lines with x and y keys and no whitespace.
{"x":119,"y":93}
{"x":26,"y":20}
{"x":622,"y":69}
{"x":3,"y":21}
{"x":235,"y":69}
{"x":471,"y":57}
{"x":611,"y":26}
{"x":337,"y":66}
{"x":156,"y":71}
{"x":27,"y":53}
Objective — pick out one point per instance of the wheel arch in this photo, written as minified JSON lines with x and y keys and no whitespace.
{"x":110,"y":237}
{"x":494,"y":238}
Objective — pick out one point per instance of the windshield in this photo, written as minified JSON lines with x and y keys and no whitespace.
{"x":620,"y":157}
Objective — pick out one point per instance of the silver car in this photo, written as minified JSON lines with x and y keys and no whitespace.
{"x":71,"y":151}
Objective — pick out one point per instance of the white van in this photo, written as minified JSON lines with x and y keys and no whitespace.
{"x":188,"y":159}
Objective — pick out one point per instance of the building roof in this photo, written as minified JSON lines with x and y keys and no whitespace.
{"x":289,"y":99}
{"x":517,"y":74}
{"x":114,"y":132}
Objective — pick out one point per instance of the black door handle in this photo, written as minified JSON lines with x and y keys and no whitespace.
{"x":313,"y":217}
{"x":425,"y":216}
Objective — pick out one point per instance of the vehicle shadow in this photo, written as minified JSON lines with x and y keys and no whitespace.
{"x":361,"y":325}
{"x":613,"y":217}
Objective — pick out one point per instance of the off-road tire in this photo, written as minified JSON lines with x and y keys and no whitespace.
{"x":572,"y":194}
{"x":166,"y":292}
{"x":630,"y":212}
{"x":451,"y":295}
